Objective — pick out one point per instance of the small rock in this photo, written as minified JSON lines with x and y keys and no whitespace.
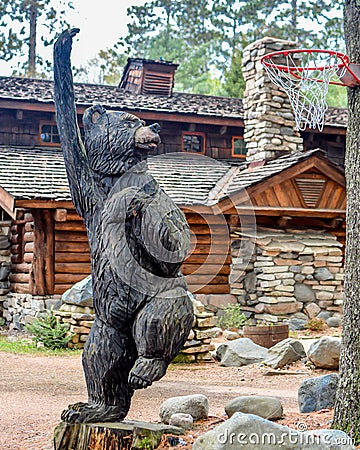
{"x":241,"y":352}
{"x":324,"y":353}
{"x":324,"y":315}
{"x":230,"y":335}
{"x":296,"y":324}
{"x":323,"y":274}
{"x":312,"y":310}
{"x":317,"y":393}
{"x":266,"y":407}
{"x":285,"y":352}
{"x":196,"y":405}
{"x":182,"y":420}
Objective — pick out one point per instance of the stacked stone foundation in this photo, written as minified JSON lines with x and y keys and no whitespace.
{"x":278,"y":275}
{"x":196,"y":349}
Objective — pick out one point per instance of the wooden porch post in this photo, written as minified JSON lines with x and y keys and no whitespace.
{"x":42,"y":276}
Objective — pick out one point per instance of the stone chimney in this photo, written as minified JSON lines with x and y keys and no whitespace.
{"x":145,"y":76}
{"x":268,"y":116}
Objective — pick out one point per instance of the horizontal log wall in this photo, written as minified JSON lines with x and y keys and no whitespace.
{"x":206,"y":269}
{"x":208,"y":266}
{"x":72,"y":254}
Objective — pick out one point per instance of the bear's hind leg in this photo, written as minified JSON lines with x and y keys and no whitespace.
{"x":160,"y":330}
{"x":107,"y":359}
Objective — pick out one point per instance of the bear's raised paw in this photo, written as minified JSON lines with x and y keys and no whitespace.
{"x":146,"y":371}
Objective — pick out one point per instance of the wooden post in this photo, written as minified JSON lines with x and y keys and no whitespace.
{"x":42,"y":279}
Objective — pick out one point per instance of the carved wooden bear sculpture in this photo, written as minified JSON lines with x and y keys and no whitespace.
{"x":138,"y":240}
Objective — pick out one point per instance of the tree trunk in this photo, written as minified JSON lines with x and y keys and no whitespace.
{"x":347,"y":405}
{"x":127,"y":435}
{"x":32,"y":39}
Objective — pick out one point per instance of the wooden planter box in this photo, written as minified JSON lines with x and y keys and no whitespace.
{"x":266,"y":335}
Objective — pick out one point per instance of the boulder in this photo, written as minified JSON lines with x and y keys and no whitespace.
{"x":285,"y":352}
{"x":250,"y":432}
{"x":304,"y":293}
{"x":80,"y":294}
{"x":241,"y":352}
{"x":324,"y":353}
{"x":317,"y":393}
{"x":182,"y":420}
{"x":196,"y":405}
{"x":266,"y":407}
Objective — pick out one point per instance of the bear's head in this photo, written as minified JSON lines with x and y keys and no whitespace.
{"x":115,"y":141}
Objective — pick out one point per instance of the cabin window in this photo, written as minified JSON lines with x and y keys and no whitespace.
{"x":49,"y":134}
{"x":193,"y":142}
{"x":238,"y":147}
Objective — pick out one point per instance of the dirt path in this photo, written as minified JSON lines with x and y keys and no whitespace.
{"x":35,"y":389}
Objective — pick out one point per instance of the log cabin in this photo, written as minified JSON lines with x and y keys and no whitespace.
{"x":234,"y":179}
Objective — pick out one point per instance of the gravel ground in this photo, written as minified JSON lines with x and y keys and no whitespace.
{"x":35,"y":389}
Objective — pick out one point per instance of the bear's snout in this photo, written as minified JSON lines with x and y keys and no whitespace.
{"x":147,"y":138}
{"x":155,"y":127}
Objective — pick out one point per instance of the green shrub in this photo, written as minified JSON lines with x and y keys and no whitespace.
{"x":232,"y":317}
{"x":48,"y":330}
{"x":315,"y":324}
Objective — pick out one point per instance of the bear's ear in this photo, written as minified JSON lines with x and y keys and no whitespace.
{"x":92,"y":115}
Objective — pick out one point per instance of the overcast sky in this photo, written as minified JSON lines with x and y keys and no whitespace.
{"x":101,"y":24}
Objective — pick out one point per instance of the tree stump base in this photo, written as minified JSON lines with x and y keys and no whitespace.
{"x":126,"y":435}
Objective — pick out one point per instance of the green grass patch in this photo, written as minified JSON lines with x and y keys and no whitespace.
{"x":28,"y":347}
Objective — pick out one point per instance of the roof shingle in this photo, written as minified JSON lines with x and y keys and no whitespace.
{"x":39,"y":90}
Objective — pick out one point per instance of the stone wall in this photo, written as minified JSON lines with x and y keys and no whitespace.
{"x":196,"y":349}
{"x":278,"y":275}
{"x":21,"y":309}
{"x":269,"y":119}
{"x":5,"y":264}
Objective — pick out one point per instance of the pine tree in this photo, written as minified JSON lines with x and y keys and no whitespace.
{"x":19,"y":29}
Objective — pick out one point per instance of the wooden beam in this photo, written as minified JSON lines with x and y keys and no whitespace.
{"x":7,"y":202}
{"x":283,"y":221}
{"x":42,"y":280}
{"x":60,"y":215}
{"x":292,"y":212}
{"x":330,"y":171}
{"x":336,"y":129}
{"x":43,"y":204}
{"x":146,"y":115}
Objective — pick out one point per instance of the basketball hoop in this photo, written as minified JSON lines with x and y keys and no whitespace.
{"x":305,"y":76}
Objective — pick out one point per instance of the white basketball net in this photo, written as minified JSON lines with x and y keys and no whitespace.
{"x":305,"y":77}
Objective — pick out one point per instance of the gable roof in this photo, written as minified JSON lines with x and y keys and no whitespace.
{"x":41,"y":91}
{"x":255,"y":174}
{"x":190,"y":180}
